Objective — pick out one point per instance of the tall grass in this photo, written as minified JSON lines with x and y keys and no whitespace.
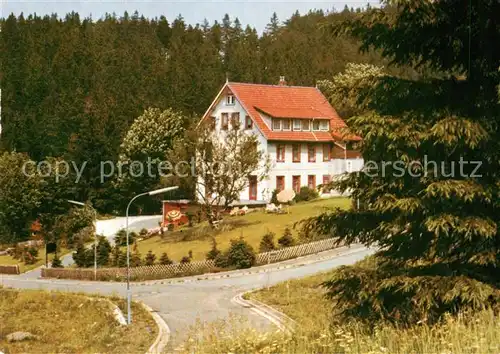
{"x":304,"y":301}
{"x":70,"y":323}
{"x":478,"y":333}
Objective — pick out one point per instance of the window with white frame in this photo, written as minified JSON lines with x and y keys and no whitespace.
{"x":296,"y":124}
{"x":286,"y":124}
{"x":230,"y":100}
{"x":315,"y":125}
{"x":324,"y":125}
{"x":306,"y":124}
{"x":276,"y":124}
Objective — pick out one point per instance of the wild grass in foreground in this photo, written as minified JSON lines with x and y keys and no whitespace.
{"x":477,"y":333}
{"x":70,"y":323}
{"x":304,"y":301}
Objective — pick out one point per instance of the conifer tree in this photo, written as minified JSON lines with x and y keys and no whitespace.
{"x":434,"y":219}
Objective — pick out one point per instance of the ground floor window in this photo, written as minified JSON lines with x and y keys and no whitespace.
{"x":311,"y":181}
{"x":280,"y":183}
{"x":296,"y":184}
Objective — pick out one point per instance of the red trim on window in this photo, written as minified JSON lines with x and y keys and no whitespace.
{"x":296,"y":152}
{"x":280,"y":152}
{"x":280,"y":183}
{"x":326,"y":152}
{"x":224,"y":121}
{"x":311,"y":181}
{"x":311,"y":153}
{"x":296,"y":183}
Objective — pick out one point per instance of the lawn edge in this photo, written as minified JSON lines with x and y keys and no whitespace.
{"x":278,"y":318}
{"x":163,"y":336}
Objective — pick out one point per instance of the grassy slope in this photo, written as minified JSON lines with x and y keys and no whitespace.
{"x":8,"y":260}
{"x":252,"y":226}
{"x":304,"y":301}
{"x":70,"y":323}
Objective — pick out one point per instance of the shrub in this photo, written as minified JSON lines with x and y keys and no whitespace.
{"x":119,"y":258}
{"x":33,"y":251}
{"x":286,"y":240}
{"x":185,"y":259}
{"x":240,"y":254}
{"x":267,"y":242}
{"x":135,"y":258}
{"x":121,"y":237}
{"x":274,"y":197}
{"x":150,"y":258}
{"x":190,"y":217}
{"x":30,"y":255}
{"x":165,"y":260}
{"x":56,"y":262}
{"x":143,"y":233}
{"x":381,"y":290}
{"x":214,"y":251}
{"x":221,"y":260}
{"x":80,"y":256}
{"x":103,"y":251}
{"x":306,"y":194}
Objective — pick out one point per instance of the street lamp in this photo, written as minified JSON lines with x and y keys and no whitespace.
{"x":129,"y":293}
{"x":95,"y":232}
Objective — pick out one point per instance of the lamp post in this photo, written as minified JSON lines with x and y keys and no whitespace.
{"x":129,"y":293}
{"x":95,"y":232}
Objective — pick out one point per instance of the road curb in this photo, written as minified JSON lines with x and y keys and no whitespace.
{"x":163,"y":336}
{"x":279,"y":319}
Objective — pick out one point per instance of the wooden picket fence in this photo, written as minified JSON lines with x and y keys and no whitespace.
{"x":157,"y":271}
{"x":296,"y":251}
{"x":183,"y":269}
{"x":9,"y":269}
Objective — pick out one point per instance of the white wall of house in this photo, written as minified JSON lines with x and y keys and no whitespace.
{"x":288,"y":168}
{"x":304,"y":168}
{"x":263,"y":191}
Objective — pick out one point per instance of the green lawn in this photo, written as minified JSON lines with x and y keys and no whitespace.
{"x":251,"y":226}
{"x":71,"y":323}
{"x":8,"y":260}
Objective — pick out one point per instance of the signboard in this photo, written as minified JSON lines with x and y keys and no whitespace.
{"x":50,"y":247}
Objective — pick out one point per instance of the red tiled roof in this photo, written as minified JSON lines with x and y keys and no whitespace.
{"x":288,"y":102}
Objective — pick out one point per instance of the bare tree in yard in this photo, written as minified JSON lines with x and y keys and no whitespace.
{"x":222,"y":163}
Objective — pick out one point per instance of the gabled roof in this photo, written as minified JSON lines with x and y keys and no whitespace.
{"x":279,"y":101}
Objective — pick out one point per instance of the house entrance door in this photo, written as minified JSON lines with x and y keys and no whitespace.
{"x":252,"y":186}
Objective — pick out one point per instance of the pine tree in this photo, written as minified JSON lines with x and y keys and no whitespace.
{"x":287,"y":239}
{"x":436,"y":228}
{"x":79,"y":256}
{"x":135,"y":258}
{"x":214,"y":251}
{"x":56,"y":262}
{"x":267,"y":242}
{"x":165,"y":260}
{"x":150,"y":258}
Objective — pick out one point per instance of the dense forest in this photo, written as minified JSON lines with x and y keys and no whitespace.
{"x":71,"y":87}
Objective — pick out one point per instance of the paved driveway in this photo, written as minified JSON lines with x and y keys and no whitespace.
{"x":181,"y":304}
{"x":109,"y":228}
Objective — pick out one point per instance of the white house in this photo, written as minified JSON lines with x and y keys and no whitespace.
{"x":296,"y":126}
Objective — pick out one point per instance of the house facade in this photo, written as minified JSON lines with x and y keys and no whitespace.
{"x":295,"y":126}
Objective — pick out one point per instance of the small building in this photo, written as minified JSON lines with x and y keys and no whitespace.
{"x":296,"y":126}
{"x":174,"y":212}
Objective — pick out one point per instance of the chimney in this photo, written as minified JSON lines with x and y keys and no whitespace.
{"x":282,"y":81}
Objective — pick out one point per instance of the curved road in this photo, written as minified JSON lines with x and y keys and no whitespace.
{"x":181,"y":302}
